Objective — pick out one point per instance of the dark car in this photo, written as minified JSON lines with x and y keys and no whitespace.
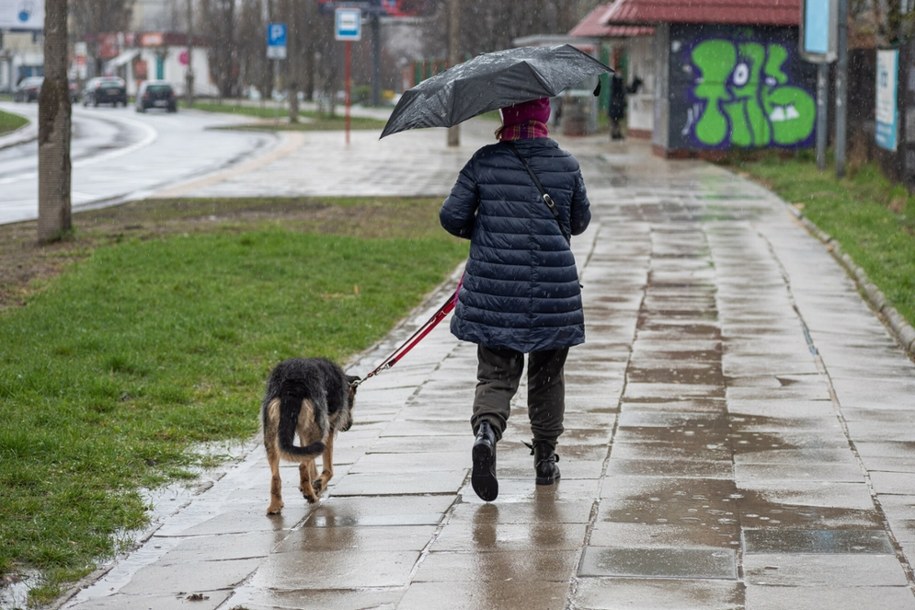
{"x":28,"y":89}
{"x":156,"y":94}
{"x":105,"y":90}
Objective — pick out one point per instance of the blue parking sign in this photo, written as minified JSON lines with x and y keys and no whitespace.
{"x":276,"y":41}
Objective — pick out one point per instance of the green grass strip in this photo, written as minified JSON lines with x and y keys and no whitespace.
{"x":11,"y":122}
{"x":111,"y":372}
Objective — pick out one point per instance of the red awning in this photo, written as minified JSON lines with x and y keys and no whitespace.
{"x":726,"y":12}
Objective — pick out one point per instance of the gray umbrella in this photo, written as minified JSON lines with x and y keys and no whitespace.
{"x":491,"y":81}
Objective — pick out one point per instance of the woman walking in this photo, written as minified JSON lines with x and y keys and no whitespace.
{"x":520,"y":293}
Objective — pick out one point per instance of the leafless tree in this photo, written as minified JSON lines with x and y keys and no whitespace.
{"x":254,"y":67}
{"x":93,"y":17}
{"x":219,"y":17}
{"x":498,"y":22}
{"x":54,"y":116}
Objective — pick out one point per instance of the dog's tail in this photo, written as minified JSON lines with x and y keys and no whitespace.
{"x":282,"y":415}
{"x":294,"y":451}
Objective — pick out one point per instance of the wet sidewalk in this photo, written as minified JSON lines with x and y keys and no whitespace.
{"x":740,"y":430}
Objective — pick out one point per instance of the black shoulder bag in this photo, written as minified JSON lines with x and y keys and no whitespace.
{"x":546,"y":196}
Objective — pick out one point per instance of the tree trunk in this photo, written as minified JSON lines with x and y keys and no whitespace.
{"x":292,"y":51}
{"x":454,"y":57}
{"x":54,"y":113}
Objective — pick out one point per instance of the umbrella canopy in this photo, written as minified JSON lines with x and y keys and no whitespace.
{"x":491,"y":81}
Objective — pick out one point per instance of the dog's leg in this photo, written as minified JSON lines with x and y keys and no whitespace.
{"x":327,"y":464}
{"x":271,"y":422}
{"x":276,"y":483}
{"x":306,"y":477}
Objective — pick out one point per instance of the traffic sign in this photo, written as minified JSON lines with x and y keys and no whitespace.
{"x":276,"y":41}
{"x":348,"y":24}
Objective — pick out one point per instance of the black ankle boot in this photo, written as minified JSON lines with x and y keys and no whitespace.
{"x":545,"y":458}
{"x":483,"y":478}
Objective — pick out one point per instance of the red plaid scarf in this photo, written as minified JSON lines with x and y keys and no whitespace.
{"x":523,"y":131}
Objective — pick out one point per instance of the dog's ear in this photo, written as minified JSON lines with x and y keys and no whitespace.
{"x":353,"y":382}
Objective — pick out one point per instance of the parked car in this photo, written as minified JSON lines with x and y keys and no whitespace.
{"x":28,"y":89}
{"x":156,"y":94}
{"x":105,"y":90}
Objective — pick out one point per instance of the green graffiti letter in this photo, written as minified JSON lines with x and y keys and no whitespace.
{"x":715,"y":59}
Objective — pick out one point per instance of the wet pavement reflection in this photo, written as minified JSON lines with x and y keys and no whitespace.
{"x":726,"y":445}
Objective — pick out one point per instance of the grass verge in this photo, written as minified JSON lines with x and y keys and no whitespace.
{"x":278,"y":118}
{"x":11,"y":122}
{"x":872,"y":218}
{"x":159,"y":332}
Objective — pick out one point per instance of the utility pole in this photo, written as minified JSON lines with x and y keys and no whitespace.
{"x":54,"y":120}
{"x":375,"y":21}
{"x":822,"y":124}
{"x":841,"y":142}
{"x":189,"y":75}
{"x":454,"y":56}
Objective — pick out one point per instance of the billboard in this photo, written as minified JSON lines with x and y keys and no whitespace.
{"x":21,"y":14}
{"x":886,"y":103}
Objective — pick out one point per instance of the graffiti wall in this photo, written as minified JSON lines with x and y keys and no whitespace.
{"x":739,"y":87}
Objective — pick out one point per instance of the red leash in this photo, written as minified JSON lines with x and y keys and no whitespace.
{"x":416,"y":337}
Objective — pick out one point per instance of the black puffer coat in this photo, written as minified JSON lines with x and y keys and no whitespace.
{"x":520,"y":289}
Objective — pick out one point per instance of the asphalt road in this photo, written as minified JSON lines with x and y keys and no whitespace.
{"x":118,"y":154}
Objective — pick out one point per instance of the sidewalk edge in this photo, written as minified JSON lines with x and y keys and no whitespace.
{"x":901,"y":330}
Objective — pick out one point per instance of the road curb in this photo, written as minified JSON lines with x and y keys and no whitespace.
{"x":25,"y":134}
{"x":899,"y":327}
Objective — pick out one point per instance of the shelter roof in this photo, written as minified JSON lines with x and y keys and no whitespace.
{"x":592,"y":26}
{"x":726,"y":12}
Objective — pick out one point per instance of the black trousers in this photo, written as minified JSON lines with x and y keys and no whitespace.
{"x":498,"y":376}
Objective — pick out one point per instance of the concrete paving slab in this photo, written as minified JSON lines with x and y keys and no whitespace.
{"x":827,"y":494}
{"x":817,"y":541}
{"x":496,"y":567}
{"x":211,"y":600}
{"x":250,"y":598}
{"x":833,"y":597}
{"x":543,"y":508}
{"x":749,"y":474}
{"x":656,"y":562}
{"x":335,"y":570}
{"x":899,"y":483}
{"x":537,"y":595}
{"x":357,"y":539}
{"x":651,"y":594}
{"x":222,"y":547}
{"x":698,"y":469}
{"x":191,"y":577}
{"x":373,"y":511}
{"x":823,"y":570}
{"x":491,"y":536}
{"x":724,"y":534}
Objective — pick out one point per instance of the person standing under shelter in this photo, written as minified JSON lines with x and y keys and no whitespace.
{"x":618,"y":102}
{"x":520,"y":294}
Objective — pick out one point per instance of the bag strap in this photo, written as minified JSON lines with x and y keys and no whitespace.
{"x":546,"y":196}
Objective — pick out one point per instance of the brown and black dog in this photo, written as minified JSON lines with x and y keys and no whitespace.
{"x":311,"y":397}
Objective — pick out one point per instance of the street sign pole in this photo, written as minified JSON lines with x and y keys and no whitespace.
{"x":276,"y":50}
{"x":348,"y":27}
{"x":348,"y":79}
{"x":818,"y":44}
